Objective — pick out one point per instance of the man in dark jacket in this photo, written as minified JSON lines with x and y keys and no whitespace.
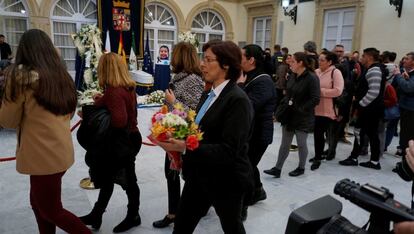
{"x":5,"y":52}
{"x":405,"y":89}
{"x":370,"y":110}
{"x":259,"y":87}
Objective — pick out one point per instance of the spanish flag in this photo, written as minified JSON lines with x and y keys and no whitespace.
{"x":121,"y":50}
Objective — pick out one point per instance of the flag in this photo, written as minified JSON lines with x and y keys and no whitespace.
{"x":121,"y":50}
{"x":132,"y":56}
{"x":147,"y":66}
{"x":107,"y":42}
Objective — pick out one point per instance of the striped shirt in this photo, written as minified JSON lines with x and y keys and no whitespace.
{"x":374,"y":77}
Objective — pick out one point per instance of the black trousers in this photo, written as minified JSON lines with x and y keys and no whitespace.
{"x":407,"y":128}
{"x":255,"y":153}
{"x":195,"y":203}
{"x":324,"y":125}
{"x":131,"y":189}
{"x":173,"y":186}
{"x":368,"y":123}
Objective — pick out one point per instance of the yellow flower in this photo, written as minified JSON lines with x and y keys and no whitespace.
{"x":191,"y":115}
{"x":178,"y":106}
{"x":157,"y":129}
{"x":199,"y":136}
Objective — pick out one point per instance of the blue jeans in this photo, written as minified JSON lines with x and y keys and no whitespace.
{"x":391,"y":129}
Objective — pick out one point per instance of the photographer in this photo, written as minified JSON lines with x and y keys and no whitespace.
{"x":407,"y":227}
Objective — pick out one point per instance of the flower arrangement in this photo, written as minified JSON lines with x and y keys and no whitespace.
{"x":88,"y":42}
{"x":177,"y":124}
{"x":156,"y":97}
{"x":189,"y":37}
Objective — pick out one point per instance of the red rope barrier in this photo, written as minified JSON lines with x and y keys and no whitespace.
{"x":13,"y":158}
{"x":71,"y":129}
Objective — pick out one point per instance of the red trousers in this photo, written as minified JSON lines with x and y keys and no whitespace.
{"x":45,"y":192}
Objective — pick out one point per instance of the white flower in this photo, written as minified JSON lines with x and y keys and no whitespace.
{"x":171,"y":120}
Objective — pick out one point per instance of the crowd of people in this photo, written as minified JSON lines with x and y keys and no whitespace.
{"x":238,"y":94}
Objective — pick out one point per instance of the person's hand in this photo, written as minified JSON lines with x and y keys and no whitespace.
{"x":97,"y":96}
{"x":410,"y":155}
{"x":404,"y":228}
{"x":171,"y":144}
{"x":242,"y":78}
{"x":169,"y":96}
{"x":80,"y":114}
{"x":405,"y":75}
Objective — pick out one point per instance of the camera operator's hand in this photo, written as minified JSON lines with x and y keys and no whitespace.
{"x":410,"y":155}
{"x":404,"y":228}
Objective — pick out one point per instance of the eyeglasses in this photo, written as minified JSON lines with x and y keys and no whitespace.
{"x":208,"y":60}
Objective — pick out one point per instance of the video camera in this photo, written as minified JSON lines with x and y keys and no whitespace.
{"x":322,"y":216}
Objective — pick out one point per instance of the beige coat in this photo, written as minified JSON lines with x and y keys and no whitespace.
{"x":44,"y":141}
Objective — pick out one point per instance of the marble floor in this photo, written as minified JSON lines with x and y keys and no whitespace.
{"x":269,"y":216}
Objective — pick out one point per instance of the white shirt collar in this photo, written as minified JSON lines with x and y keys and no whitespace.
{"x":220,"y":88}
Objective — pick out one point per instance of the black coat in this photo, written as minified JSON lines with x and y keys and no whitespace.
{"x":260,"y":89}
{"x":304,"y":91}
{"x":220,"y":164}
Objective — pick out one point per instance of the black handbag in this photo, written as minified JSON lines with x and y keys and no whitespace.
{"x":95,"y":126}
{"x":282,"y":113}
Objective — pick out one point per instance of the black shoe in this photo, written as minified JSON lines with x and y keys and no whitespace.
{"x":259,"y":195}
{"x":94,"y":219}
{"x":128,"y":223}
{"x":371,"y":165}
{"x":165,"y":222}
{"x":349,"y":162}
{"x":297,"y":172}
{"x":330,"y":157}
{"x":315,"y":165}
{"x":244,"y":213}
{"x":313,"y":159}
{"x":274,"y":172}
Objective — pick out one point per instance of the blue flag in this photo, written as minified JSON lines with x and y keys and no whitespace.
{"x":147,"y":67}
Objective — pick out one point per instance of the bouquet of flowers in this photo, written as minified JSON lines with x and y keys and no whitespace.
{"x":156,"y":97}
{"x":177,"y":124}
{"x":189,"y":37}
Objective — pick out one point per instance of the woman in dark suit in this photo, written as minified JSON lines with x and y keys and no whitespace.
{"x":218,"y":172}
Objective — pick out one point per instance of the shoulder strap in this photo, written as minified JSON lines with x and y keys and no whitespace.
{"x":261,"y":75}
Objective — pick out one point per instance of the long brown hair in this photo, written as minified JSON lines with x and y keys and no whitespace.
{"x":184,"y":59}
{"x":55,"y":89}
{"x":302,"y":57}
{"x":113,"y":71}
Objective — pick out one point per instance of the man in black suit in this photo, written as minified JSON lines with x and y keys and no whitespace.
{"x":260,"y":88}
{"x":218,"y":173}
{"x":5,"y":52}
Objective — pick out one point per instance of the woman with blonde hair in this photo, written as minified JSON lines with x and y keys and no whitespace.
{"x":186,"y":88}
{"x":39,"y":100}
{"x":113,"y":159}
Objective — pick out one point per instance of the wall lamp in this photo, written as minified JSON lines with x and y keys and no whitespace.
{"x":293,"y":12}
{"x":398,"y":5}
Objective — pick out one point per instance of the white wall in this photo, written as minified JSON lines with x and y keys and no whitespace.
{"x":294,"y":36}
{"x":381,"y":27}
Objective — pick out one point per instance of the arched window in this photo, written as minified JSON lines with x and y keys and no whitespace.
{"x":68,"y":16}
{"x":161,"y":26}
{"x":207,"y":25}
{"x":13,"y":21}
